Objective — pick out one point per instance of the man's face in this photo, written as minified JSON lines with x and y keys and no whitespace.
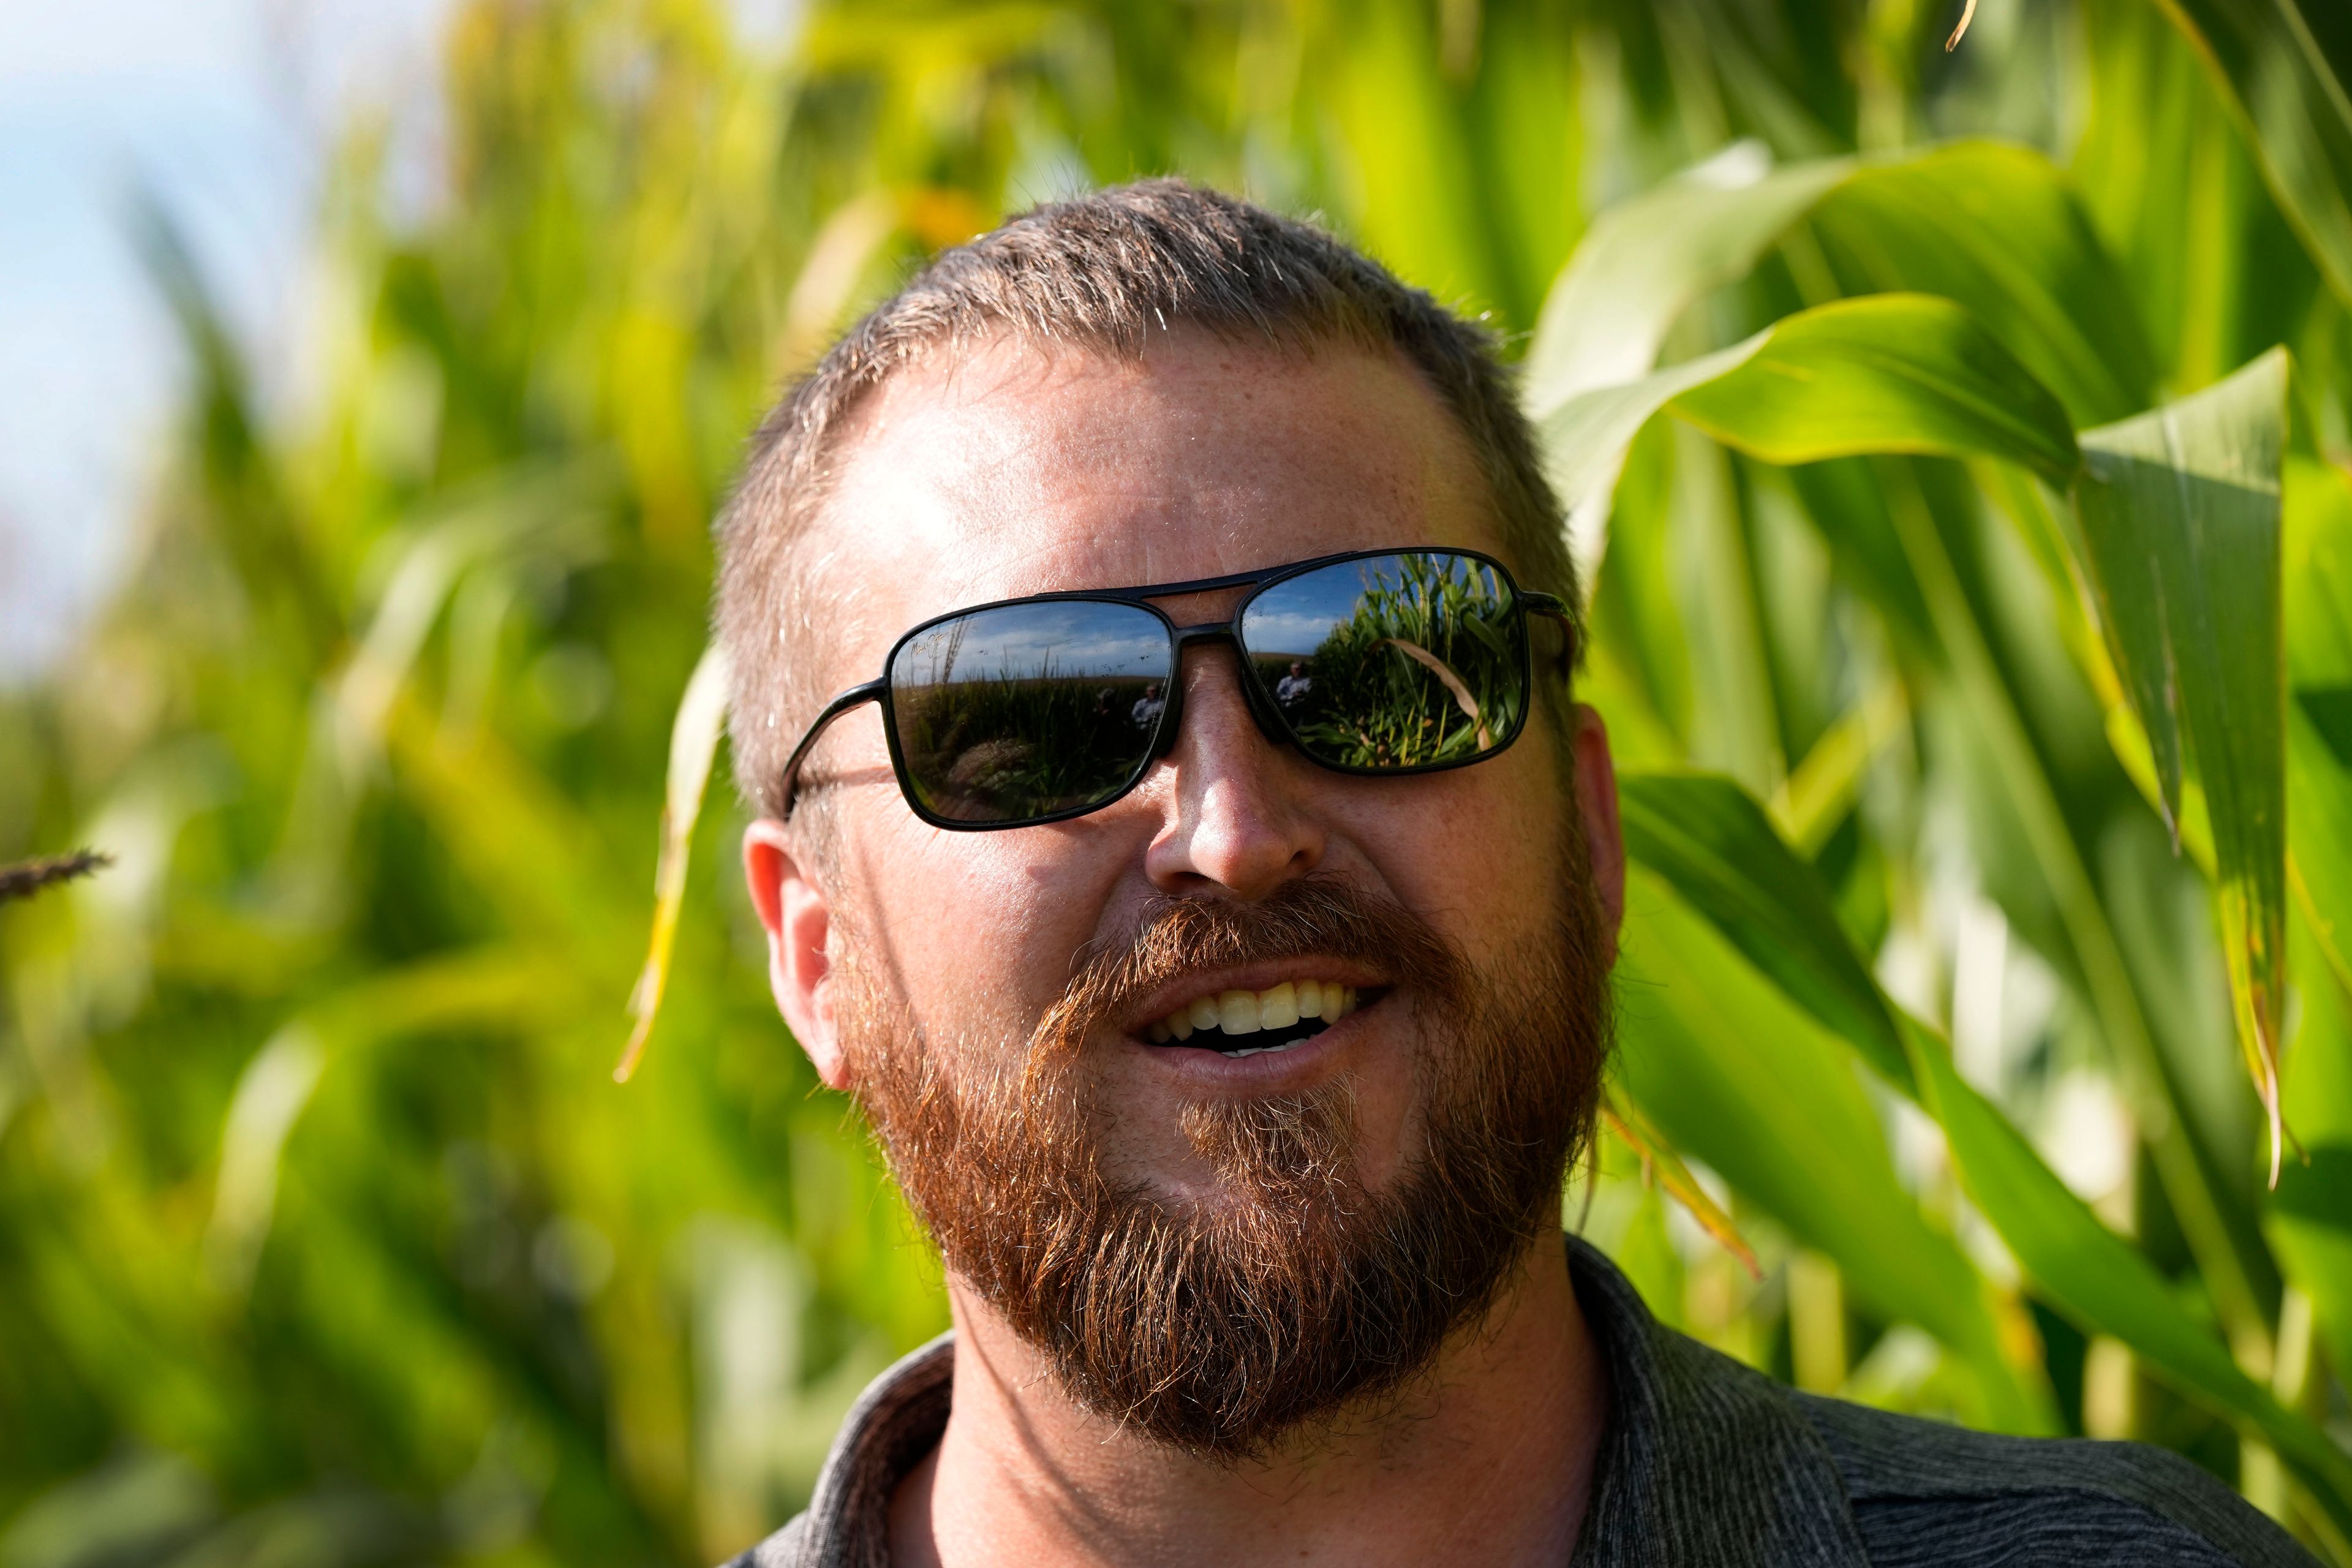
{"x":1012,"y":472}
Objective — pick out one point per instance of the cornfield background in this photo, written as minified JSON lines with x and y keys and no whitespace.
{"x":325,"y":1234}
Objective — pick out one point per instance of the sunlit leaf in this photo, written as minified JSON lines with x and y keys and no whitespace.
{"x":2318,"y":586}
{"x":1738,"y":1075}
{"x":1733,"y":869}
{"x":1892,"y":373}
{"x":1643,"y":261}
{"x":2309,"y":1217}
{"x":1998,"y":230}
{"x":2287,"y":68}
{"x":2180,"y":529}
{"x":1662,"y":1164}
{"x":693,"y":742}
{"x":1708,"y":838}
{"x":2101,"y":1281}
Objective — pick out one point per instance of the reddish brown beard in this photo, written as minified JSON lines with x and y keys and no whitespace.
{"x":1222,"y":1328}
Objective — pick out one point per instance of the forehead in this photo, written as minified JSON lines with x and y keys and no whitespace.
{"x":1009,"y":469}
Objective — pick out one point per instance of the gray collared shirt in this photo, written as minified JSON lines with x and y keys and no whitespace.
{"x":1709,"y":1464}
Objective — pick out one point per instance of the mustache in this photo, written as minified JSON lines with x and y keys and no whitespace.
{"x":1313,"y":917}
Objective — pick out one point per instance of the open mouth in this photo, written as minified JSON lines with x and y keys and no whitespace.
{"x":1254,"y":1023}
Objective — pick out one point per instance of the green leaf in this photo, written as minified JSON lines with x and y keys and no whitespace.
{"x":2286,"y":67}
{"x":1585,"y":437}
{"x":2318,"y":1188}
{"x":2101,"y":1281}
{"x":2180,"y":534}
{"x":1997,"y":228}
{"x":2319,"y":794}
{"x":1992,"y":227}
{"x":1710,"y":839}
{"x":1735,"y":1075}
{"x":2309,"y":1217}
{"x":1732,"y":868}
{"x":694,"y":739}
{"x":1645,"y":260}
{"x":2318,"y":571}
{"x":1892,"y":372}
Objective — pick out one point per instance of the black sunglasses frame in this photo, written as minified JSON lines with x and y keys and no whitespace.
{"x":1269,"y":720}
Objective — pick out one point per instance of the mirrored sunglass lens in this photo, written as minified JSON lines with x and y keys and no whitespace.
{"x":1028,"y":711}
{"x":1393,"y":661}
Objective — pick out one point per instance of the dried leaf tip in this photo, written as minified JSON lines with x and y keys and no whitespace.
{"x":26,"y":878}
{"x":1661,"y":1165}
{"x":1968,"y":14}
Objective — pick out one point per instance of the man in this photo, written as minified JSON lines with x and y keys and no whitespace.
{"x":1292,"y":688}
{"x":1148,"y":707}
{"x":1234,"y":1067}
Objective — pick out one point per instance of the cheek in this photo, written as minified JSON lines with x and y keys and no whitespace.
{"x":1478,"y":852}
{"x":982,"y":927}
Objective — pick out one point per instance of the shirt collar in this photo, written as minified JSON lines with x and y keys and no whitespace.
{"x":1704,"y":1461}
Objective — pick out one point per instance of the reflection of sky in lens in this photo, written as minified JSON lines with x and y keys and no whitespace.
{"x":1075,"y":640}
{"x":1293,"y":618}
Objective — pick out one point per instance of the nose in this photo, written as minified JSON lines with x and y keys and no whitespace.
{"x":1237,"y":818}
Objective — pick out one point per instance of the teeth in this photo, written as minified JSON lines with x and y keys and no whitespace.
{"x":1263,"y":1050}
{"x":1249,"y":1012}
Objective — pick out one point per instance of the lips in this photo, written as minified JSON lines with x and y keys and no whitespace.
{"x":1254,"y":1023}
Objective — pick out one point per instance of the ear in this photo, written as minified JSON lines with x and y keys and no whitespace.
{"x":798,"y":918}
{"x":1596,"y":809}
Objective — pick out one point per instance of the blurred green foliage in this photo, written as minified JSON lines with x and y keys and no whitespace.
{"x":325,"y":1235}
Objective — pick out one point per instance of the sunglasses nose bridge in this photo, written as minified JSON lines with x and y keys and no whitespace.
{"x":1210,"y":634}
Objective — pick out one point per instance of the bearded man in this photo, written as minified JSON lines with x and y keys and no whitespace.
{"x":1232,"y":1040}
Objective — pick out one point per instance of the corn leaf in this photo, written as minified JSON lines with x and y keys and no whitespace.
{"x":2180,"y":534}
{"x":2309,"y":1217}
{"x":2286,"y":67}
{"x":1733,"y":869}
{"x":2319,"y":570}
{"x":1995,"y":228}
{"x":1662,"y":1164}
{"x":1645,"y":260}
{"x":693,"y":742}
{"x":1894,"y":373}
{"x":1736,"y":1073}
{"x":2103,"y":1282}
{"x":1999,"y":229}
{"x":1709,"y":839}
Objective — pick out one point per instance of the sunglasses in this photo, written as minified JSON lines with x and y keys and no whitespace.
{"x":1029,"y":711}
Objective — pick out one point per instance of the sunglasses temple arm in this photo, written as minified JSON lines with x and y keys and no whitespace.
{"x":856,"y":696}
{"x":1556,"y":609}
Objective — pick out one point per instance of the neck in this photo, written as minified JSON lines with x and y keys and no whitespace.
{"x":1494,"y":1442}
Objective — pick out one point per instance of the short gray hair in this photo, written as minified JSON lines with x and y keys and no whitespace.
{"x":1097,"y":272}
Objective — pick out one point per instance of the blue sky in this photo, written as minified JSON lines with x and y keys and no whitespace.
{"x":224,"y":110}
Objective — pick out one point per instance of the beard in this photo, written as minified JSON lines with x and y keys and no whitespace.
{"x":1293,"y":1293}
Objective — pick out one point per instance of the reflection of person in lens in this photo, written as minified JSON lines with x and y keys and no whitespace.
{"x":1291,"y":690}
{"x":1147,"y":708}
